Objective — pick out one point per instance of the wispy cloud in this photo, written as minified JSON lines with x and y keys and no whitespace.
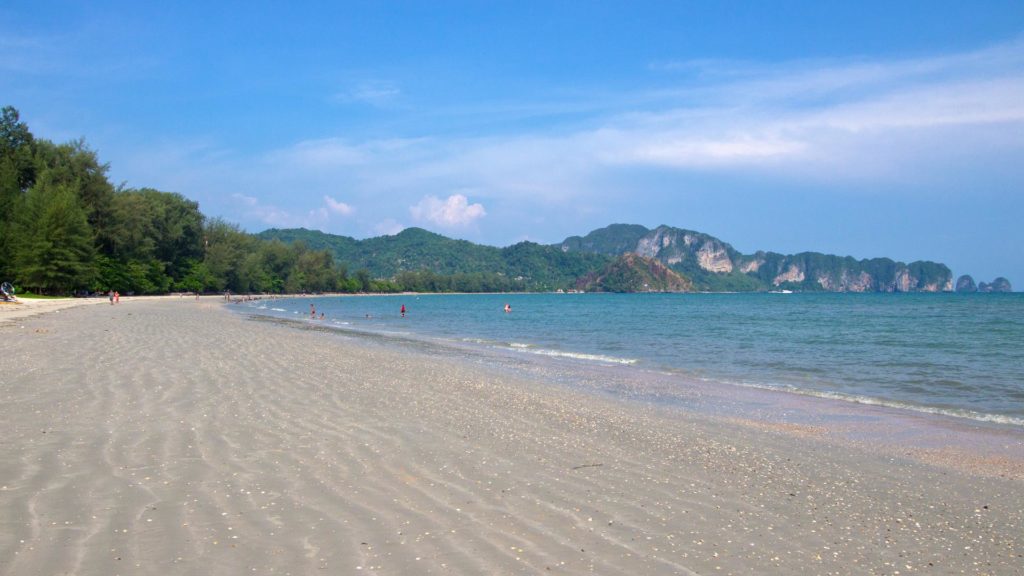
{"x":388,"y":227}
{"x":854,"y":121}
{"x":268,"y":214}
{"x":272,"y":215}
{"x":334,"y":153}
{"x":788,"y":117}
{"x":75,"y":54}
{"x":378,"y":93}
{"x":28,"y":54}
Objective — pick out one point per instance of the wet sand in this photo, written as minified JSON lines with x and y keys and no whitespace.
{"x":171,"y":436}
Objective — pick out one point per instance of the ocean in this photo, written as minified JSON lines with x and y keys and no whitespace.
{"x":960,"y":355}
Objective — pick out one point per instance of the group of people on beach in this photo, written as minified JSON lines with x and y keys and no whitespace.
{"x":114,"y":296}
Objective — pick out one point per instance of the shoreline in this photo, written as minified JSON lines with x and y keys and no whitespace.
{"x":983,"y":447}
{"x":174,"y":437}
{"x":964,"y":415}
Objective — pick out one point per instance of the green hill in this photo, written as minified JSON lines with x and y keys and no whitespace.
{"x":613,"y":240}
{"x":526,"y":265}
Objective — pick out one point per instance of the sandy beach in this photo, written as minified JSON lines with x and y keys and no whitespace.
{"x":173,"y":436}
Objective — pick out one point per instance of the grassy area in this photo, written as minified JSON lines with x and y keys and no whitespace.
{"x":31,"y":296}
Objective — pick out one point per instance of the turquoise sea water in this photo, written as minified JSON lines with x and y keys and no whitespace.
{"x":955,"y":354}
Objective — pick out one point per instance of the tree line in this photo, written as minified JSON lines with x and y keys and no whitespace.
{"x":65,"y":229}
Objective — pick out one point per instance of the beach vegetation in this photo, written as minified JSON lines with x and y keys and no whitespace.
{"x":65,"y":229}
{"x":33,"y":296}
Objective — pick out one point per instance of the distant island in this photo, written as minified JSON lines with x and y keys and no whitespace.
{"x":966,"y":284}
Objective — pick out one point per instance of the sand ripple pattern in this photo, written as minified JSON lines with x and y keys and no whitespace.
{"x":171,"y":437}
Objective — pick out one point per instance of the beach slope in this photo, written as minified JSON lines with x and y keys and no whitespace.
{"x":171,"y":436}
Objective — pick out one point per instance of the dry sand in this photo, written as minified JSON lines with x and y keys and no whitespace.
{"x":174,"y":437}
{"x":25,"y":307}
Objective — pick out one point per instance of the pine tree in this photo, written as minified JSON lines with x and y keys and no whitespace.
{"x":17,"y":173}
{"x":52,"y":240}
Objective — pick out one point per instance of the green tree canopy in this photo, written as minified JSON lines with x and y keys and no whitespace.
{"x":53,"y":245}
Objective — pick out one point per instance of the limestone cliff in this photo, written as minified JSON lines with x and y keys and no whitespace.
{"x":966,"y":283}
{"x":998,"y":285}
{"x":814,"y":271}
{"x":673,"y":246}
{"x":714,"y":265}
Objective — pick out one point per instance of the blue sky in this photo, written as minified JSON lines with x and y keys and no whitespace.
{"x":868,"y":129}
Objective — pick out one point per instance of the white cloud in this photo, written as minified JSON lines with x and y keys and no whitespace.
{"x":337,"y":207}
{"x":453,"y":212}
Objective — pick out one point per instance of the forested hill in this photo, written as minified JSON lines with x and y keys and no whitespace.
{"x":416,"y":257}
{"x":410,"y":250}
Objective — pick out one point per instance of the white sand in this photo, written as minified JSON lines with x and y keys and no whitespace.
{"x":25,"y":307}
{"x":174,"y":437}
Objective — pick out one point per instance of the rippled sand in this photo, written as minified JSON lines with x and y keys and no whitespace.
{"x":173,"y":437}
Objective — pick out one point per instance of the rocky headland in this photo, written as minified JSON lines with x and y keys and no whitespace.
{"x":966,"y":284}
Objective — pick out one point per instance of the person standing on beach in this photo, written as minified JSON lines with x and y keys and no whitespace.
{"x":117,"y":297}
{"x":110,"y":295}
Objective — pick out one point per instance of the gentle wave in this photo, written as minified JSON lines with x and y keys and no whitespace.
{"x":534,"y":349}
{"x":576,"y":355}
{"x":872,"y":401}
